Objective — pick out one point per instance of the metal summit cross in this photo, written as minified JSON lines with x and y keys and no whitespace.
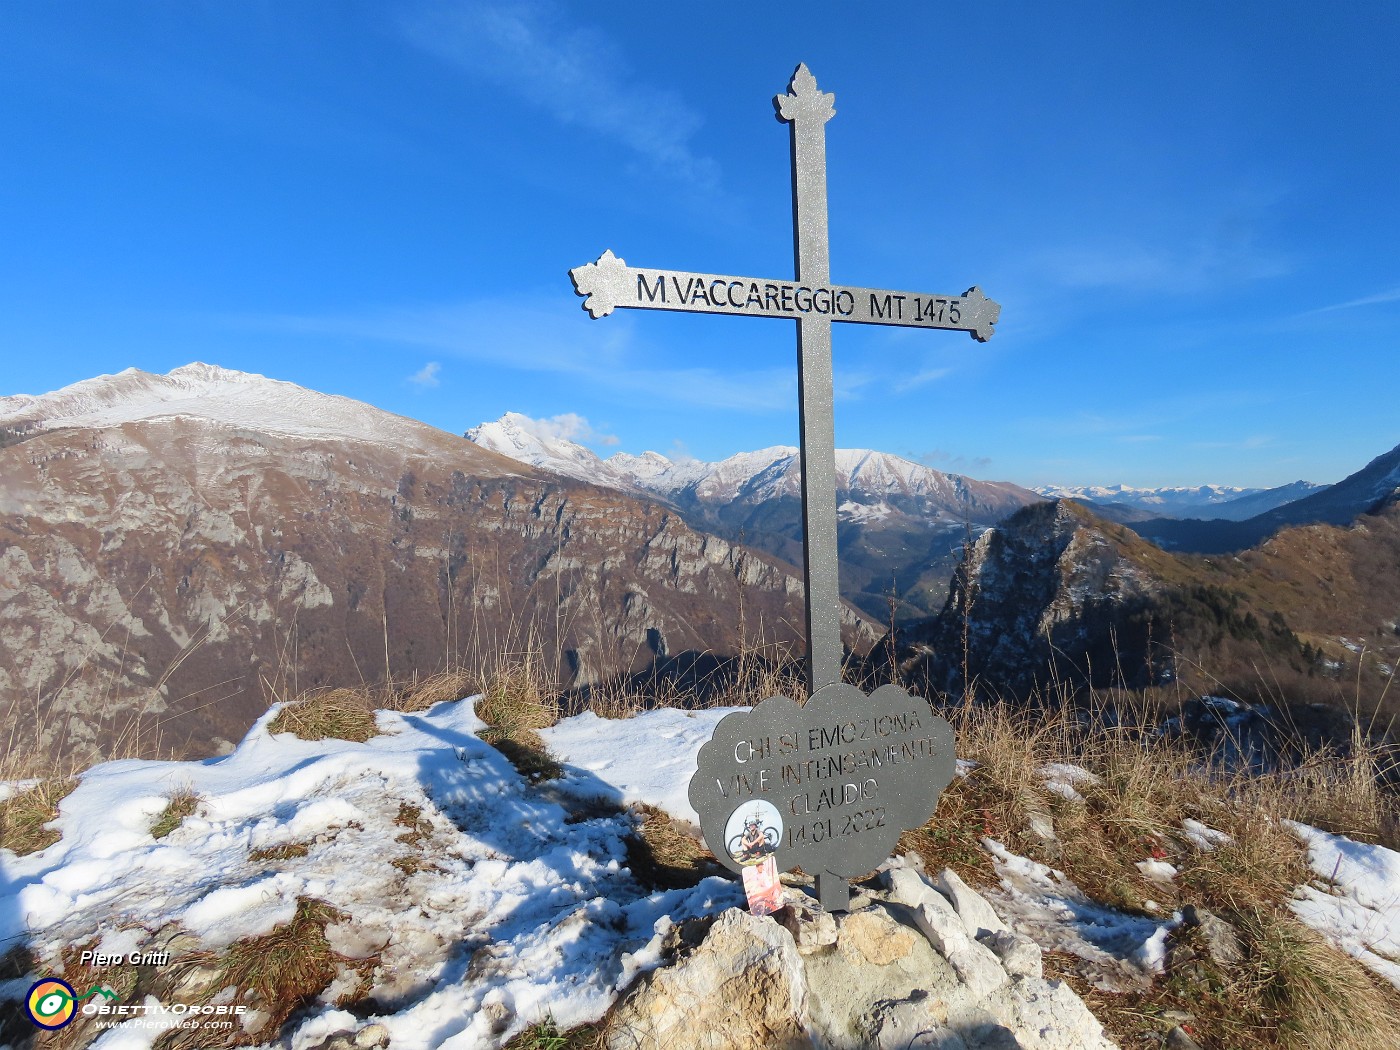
{"x":814,"y":302}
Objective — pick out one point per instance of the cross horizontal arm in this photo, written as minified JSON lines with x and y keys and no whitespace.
{"x":610,"y":283}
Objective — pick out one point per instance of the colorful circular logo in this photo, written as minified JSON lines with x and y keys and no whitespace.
{"x":51,"y":1003}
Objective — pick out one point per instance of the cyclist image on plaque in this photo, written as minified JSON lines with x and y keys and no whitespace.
{"x":753,"y":831}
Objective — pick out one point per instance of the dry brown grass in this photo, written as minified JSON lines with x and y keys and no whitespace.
{"x":287,"y":968}
{"x":517,"y":700}
{"x":24,"y":815}
{"x":345,"y":714}
{"x":663,"y":856}
{"x":1293,"y":989}
{"x":287,"y":851}
{"x":546,"y":1036}
{"x":410,"y":817}
{"x":348,"y":714}
{"x":757,"y":672}
{"x":180,"y":803}
{"x":455,"y":684}
{"x":518,"y":696}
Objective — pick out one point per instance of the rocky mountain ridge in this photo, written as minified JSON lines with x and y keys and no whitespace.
{"x":191,"y":546}
{"x":1057,"y":595}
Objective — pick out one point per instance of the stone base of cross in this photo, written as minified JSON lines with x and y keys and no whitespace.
{"x":814,"y":303}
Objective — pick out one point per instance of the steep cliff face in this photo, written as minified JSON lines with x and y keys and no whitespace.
{"x":190,"y":560}
{"x":1052,"y":591}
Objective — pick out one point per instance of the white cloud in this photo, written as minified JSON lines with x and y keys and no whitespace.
{"x":941,"y":459}
{"x":928,"y":375}
{"x":574,"y":73}
{"x":568,"y":426}
{"x":1393,"y":295}
{"x":427,"y":376}
{"x":1170,"y":269}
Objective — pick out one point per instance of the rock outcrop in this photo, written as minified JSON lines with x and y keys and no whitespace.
{"x":913,"y":964}
{"x":1057,"y":596}
{"x":1052,"y":593}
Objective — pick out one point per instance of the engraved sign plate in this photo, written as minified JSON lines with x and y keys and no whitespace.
{"x":610,"y":283}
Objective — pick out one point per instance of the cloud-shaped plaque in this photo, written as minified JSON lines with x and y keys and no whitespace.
{"x":828,"y":786}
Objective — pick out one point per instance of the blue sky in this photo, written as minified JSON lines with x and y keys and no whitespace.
{"x":1188,"y":212}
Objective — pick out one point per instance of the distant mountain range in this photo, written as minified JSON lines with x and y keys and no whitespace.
{"x":1124,"y":503}
{"x":1361,"y":493}
{"x":190,"y":545}
{"x":900,"y":525}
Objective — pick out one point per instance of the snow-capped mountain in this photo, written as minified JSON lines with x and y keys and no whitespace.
{"x":901,"y":523}
{"x":1365,"y":491}
{"x":511,"y":436}
{"x":213,"y":395}
{"x":863,"y":476}
{"x":1151,"y":498}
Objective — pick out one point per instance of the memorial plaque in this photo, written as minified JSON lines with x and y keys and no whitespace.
{"x":828,"y":785}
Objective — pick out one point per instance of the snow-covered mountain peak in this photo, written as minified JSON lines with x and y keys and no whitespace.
{"x":516,"y":435}
{"x":762,"y":474}
{"x":222,"y":396}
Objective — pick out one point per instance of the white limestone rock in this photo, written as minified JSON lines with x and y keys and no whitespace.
{"x":977,"y":915}
{"x":1020,"y":956}
{"x":742,"y":987}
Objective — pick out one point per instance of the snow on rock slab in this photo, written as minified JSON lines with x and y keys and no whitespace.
{"x":1360,"y":911}
{"x":502,"y":907}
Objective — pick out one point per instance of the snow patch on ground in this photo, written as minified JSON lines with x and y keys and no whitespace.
{"x":647,"y":758}
{"x":512,"y":906}
{"x":1123,"y":951}
{"x":1202,"y":837}
{"x":1359,"y":908}
{"x":1065,"y":780}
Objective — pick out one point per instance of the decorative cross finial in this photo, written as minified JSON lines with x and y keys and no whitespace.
{"x":804,"y":101}
{"x":605,"y":282}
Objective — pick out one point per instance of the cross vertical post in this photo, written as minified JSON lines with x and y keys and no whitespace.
{"x":806,"y":110}
{"x":814,"y":303}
